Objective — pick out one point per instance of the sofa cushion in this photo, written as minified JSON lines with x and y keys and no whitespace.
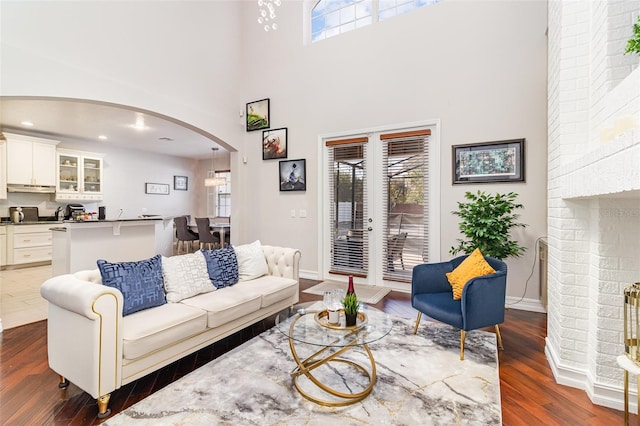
{"x":139,"y":282}
{"x":153,"y":329}
{"x":222,"y":266}
{"x":185,"y":276}
{"x":226,"y":304}
{"x":251,"y":261}
{"x":272,"y":289}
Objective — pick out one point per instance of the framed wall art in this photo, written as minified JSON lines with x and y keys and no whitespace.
{"x":180,"y":183}
{"x":274,"y":144}
{"x":156,"y":188}
{"x":258,"y":116}
{"x":293,"y":175}
{"x":500,"y":161}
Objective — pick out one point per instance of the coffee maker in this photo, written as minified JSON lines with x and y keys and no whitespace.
{"x":72,"y":210}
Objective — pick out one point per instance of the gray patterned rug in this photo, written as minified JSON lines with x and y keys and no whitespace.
{"x":420,"y":381}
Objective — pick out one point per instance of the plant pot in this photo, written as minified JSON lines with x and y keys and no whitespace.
{"x":350,"y":319}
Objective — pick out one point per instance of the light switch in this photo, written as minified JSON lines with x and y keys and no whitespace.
{"x":293,"y":213}
{"x":303,"y":213}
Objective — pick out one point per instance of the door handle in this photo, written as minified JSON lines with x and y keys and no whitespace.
{"x":369,"y":229}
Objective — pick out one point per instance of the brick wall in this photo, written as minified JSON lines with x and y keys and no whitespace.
{"x":593,"y":190}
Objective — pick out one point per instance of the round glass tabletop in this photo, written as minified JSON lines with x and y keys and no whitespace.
{"x":307,"y":323}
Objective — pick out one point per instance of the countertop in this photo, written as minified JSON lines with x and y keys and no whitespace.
{"x":58,"y":222}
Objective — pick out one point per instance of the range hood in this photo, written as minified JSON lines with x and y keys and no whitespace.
{"x":39,"y":189}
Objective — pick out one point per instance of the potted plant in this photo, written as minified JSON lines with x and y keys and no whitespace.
{"x":486,"y":222}
{"x":351,"y":306}
{"x":633,"y":44}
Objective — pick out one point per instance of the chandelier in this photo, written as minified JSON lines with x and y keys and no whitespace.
{"x":211,"y":179}
{"x":267,"y":14}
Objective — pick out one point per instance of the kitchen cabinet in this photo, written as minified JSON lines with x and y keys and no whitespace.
{"x":3,"y":170}
{"x":30,"y":160}
{"x":28,"y":243}
{"x":79,"y":176}
{"x":3,"y":246}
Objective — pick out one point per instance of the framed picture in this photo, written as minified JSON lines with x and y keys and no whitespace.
{"x":180,"y":183}
{"x":258,"y":116}
{"x":156,"y":188}
{"x":501,"y":161}
{"x":274,"y":144}
{"x":293,"y":175}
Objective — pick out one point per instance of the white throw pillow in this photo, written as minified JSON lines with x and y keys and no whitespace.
{"x":251,"y":261}
{"x":185,"y":276}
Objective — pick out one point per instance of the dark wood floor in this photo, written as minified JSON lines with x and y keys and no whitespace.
{"x":29,"y":394}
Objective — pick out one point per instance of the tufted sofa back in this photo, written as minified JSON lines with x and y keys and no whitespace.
{"x":278,"y":264}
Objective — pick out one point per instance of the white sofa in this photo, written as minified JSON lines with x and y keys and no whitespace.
{"x":91,"y":344}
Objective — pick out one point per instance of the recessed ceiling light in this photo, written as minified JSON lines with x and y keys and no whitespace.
{"x":27,"y":123}
{"x":103,"y":137}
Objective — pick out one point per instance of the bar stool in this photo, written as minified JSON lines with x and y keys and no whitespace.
{"x":184,"y":234}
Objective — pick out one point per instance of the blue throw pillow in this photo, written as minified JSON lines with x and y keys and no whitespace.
{"x":139,"y":282}
{"x":222,"y":265}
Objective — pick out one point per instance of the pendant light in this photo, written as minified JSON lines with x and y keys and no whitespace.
{"x":211,"y":179}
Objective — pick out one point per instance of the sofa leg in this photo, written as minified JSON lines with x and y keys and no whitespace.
{"x":463,"y":334}
{"x":415,"y":330}
{"x":103,"y":406}
{"x":63,"y":382}
{"x":499,"y":336}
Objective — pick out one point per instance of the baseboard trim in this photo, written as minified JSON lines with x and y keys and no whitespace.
{"x":532,"y":305}
{"x":604,"y":394}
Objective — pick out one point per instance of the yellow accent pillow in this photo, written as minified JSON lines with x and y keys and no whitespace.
{"x":472,"y":267}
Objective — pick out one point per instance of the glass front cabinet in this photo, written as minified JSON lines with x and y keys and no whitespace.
{"x":79,"y":176}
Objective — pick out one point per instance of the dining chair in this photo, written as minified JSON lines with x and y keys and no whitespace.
{"x":211,"y":239}
{"x":184,"y":235}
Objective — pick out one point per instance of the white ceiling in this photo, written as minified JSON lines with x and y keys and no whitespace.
{"x":83,"y":120}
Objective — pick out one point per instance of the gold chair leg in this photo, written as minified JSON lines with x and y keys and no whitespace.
{"x":415,"y":330}
{"x":499,"y":336}
{"x":63,"y":382}
{"x":463,"y":334}
{"x":103,"y":404}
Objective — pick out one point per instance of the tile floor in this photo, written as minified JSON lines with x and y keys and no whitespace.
{"x":20,"y":301}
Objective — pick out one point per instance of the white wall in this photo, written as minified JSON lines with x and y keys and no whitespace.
{"x":480,"y":67}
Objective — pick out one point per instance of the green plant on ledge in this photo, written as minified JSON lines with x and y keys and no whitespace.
{"x":633,"y":44}
{"x":486,"y":222}
{"x":351,"y":304}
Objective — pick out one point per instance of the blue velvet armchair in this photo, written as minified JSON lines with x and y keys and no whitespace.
{"x":482,"y":303}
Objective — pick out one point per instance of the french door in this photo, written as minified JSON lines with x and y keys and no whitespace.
{"x":380,"y":197}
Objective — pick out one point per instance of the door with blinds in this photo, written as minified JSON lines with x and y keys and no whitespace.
{"x":378,"y":196}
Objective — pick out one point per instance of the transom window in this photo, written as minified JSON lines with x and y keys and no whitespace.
{"x":333,"y":17}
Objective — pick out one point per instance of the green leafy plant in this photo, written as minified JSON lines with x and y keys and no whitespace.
{"x":633,"y":44}
{"x":486,"y":222}
{"x":351,"y":304}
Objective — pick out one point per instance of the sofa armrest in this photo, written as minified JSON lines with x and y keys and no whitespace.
{"x":283,"y":261}
{"x":84,"y":337}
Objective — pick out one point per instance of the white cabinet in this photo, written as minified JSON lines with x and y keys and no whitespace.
{"x":3,"y":245}
{"x":30,"y":160}
{"x":3,"y":170}
{"x":79,"y":176}
{"x":28,"y":243}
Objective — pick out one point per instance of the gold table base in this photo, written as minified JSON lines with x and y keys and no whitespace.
{"x":306,"y":366}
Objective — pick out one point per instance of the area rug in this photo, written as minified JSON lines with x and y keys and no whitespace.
{"x":366,"y":293}
{"x":420,"y":381}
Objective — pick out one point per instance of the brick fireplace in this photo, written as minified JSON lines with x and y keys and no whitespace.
{"x":593,"y":191}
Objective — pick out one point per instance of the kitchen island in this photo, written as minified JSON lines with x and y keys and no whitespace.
{"x":78,"y":245}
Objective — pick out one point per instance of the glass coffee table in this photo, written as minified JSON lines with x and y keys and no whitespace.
{"x":308,"y":330}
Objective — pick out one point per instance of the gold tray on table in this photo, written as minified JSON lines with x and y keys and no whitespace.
{"x":322,"y":318}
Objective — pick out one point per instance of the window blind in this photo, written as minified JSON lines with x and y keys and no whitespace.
{"x":405,"y":160}
{"x":348,"y":205}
